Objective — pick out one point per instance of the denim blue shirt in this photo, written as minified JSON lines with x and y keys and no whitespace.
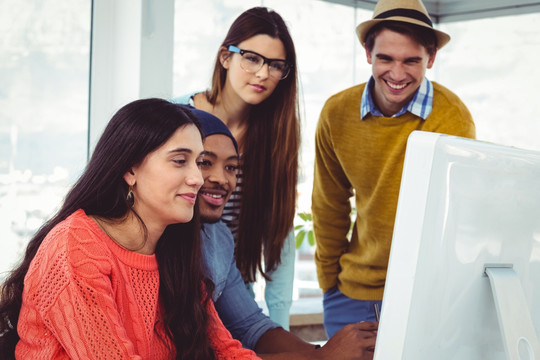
{"x":420,"y":105}
{"x":235,"y":305}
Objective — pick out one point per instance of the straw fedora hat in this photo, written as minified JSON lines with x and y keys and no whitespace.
{"x":409,"y":11}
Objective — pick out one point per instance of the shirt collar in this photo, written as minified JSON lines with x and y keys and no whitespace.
{"x":420,"y":105}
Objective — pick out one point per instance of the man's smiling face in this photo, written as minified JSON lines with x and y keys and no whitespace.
{"x":399,"y":65}
{"x":219,"y":168}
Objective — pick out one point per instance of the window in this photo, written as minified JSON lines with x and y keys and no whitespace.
{"x":44,"y":61}
{"x":495,"y":74}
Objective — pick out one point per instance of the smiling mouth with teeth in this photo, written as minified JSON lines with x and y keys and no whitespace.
{"x":396,"y":86}
{"x":215,"y":196}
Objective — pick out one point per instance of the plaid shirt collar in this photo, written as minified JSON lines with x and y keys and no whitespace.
{"x":420,"y":105}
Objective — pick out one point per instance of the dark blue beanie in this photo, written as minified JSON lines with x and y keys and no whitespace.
{"x":212,"y":125}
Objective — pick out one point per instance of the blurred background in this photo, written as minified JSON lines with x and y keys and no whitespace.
{"x":50,"y":115}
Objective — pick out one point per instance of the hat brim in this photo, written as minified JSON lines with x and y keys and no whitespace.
{"x":362,"y":29}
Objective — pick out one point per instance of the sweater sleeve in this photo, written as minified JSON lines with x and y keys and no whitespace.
{"x":330,"y":204}
{"x":452,"y":116}
{"x":186,"y":99}
{"x":279,"y":290}
{"x":68,"y":302}
{"x":225,"y":347}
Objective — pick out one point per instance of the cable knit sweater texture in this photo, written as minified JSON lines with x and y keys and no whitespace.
{"x":85,"y":297}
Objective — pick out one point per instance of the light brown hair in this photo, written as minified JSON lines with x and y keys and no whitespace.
{"x":270,"y":151}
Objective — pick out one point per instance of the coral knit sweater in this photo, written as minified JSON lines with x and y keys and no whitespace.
{"x":85,"y":297}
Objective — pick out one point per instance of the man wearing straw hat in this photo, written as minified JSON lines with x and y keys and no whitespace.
{"x":359,"y":150}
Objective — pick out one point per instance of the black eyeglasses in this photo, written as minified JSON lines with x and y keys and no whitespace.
{"x":252,"y":62}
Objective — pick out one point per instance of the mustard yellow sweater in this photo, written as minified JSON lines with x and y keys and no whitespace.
{"x":364,"y":159}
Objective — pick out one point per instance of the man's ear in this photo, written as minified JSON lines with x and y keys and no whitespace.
{"x":431,"y":59}
{"x":368,"y":54}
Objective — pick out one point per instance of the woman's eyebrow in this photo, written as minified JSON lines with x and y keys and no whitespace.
{"x":181,"y":150}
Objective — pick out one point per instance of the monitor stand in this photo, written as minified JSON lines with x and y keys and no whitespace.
{"x":517,"y":330}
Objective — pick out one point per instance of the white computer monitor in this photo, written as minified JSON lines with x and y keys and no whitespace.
{"x":464,"y":205}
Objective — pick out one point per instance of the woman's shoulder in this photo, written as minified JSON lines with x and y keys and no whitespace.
{"x":65,"y":253}
{"x":72,"y":242}
{"x":76,"y":225}
{"x":186,"y":99}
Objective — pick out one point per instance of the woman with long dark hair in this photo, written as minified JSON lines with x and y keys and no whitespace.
{"x":254,"y":92}
{"x":116,"y":273}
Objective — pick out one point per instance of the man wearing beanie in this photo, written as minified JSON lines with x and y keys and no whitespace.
{"x":359,"y":151}
{"x":235,"y":305}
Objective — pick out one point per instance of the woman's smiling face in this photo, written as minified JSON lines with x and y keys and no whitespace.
{"x":166,"y":182}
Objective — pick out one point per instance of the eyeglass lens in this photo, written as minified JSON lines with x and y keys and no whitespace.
{"x":251,"y":62}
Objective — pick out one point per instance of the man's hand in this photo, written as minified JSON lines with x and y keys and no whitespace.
{"x":354,"y":341}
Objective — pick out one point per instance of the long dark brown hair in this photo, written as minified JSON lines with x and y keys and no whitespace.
{"x":134,"y":131}
{"x":270,"y":153}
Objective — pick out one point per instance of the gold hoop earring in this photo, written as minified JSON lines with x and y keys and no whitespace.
{"x":130,"y":198}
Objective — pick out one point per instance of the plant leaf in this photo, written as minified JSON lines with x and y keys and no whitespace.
{"x":300,"y":238}
{"x":311,"y":238}
{"x":303,"y":216}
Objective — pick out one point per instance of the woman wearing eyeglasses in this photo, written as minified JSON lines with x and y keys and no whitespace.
{"x":254,"y":92}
